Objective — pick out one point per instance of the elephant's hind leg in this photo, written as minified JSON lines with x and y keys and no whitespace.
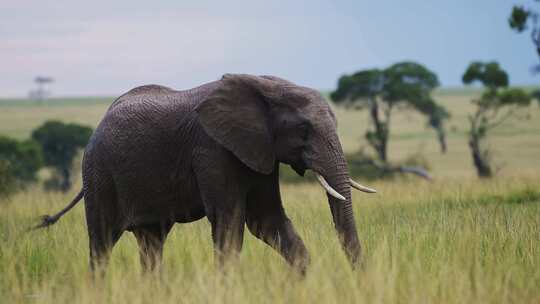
{"x":101,"y":244}
{"x":151,"y":239}
{"x":101,"y":218}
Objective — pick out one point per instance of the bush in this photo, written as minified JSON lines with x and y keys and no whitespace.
{"x":19,"y":163}
{"x":6,"y":179}
{"x":60,"y":143}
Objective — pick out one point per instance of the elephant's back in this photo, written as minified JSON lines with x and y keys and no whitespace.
{"x":151,"y":92}
{"x":162,"y":95}
{"x":149,"y":123}
{"x":147,"y":108}
{"x":141,"y":120}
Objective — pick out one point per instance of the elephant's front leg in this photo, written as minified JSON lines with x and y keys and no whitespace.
{"x":223,"y":189}
{"x":227,"y":220}
{"x":267,"y":220}
{"x":151,"y":239}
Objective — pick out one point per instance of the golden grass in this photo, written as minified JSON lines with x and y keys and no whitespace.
{"x":463,"y":241}
{"x":457,"y":240}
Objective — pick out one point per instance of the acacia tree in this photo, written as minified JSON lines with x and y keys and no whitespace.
{"x":406,"y":84}
{"x":60,"y":143}
{"x":521,"y":18}
{"x":496,"y":105}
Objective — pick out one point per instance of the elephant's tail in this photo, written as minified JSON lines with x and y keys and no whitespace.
{"x":48,"y":220}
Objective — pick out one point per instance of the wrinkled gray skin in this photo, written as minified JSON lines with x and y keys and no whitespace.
{"x":161,"y":156}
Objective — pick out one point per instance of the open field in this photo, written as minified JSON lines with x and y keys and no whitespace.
{"x":456,"y":240}
{"x":516,"y":144}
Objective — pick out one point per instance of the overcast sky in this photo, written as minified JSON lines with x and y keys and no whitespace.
{"x":107,"y":47}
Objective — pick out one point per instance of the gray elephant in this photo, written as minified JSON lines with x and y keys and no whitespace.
{"x":161,"y":156}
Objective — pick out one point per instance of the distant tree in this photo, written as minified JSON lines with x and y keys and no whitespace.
{"x":19,"y":163}
{"x":521,"y":18}
{"x":406,"y":84}
{"x":496,"y":105}
{"x":365,"y":87}
{"x":60,"y":143}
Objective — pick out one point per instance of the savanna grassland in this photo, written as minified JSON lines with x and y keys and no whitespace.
{"x":455,"y":240}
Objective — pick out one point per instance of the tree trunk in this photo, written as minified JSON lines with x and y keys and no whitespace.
{"x":65,"y":183}
{"x":380,"y":141}
{"x":442,"y":139}
{"x":481,"y":164}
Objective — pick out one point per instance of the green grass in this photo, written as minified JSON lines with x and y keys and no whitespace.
{"x":456,"y":240}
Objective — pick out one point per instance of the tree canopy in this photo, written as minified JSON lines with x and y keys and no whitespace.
{"x":521,"y":19}
{"x":361,"y":85}
{"x":489,"y":74}
{"x":496,"y":81}
{"x":407,"y":84}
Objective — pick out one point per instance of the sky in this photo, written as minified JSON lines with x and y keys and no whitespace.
{"x":95,"y":48}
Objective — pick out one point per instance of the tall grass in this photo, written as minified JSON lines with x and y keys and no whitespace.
{"x":457,"y":240}
{"x":464,"y":241}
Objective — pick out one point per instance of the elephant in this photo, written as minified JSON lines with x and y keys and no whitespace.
{"x":162,"y":156}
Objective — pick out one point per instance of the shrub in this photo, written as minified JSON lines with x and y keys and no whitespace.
{"x":60,"y":143}
{"x":19,"y":163}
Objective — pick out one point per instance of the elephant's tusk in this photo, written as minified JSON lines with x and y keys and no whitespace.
{"x":327,"y":187}
{"x":361,"y":187}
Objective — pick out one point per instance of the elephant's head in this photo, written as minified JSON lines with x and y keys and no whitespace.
{"x":264,"y":120}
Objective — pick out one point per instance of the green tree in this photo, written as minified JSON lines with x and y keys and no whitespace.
{"x":19,"y":163}
{"x":496,"y":105}
{"x":522,"y":19}
{"x":405,"y":84}
{"x":60,"y":143}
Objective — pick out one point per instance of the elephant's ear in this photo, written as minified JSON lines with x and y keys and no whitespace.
{"x":236,"y":116}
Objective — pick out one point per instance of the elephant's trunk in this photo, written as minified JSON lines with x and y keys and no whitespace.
{"x":342,"y":211}
{"x":335,"y":172}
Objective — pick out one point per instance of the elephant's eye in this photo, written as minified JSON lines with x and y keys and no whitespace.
{"x":303,"y":130}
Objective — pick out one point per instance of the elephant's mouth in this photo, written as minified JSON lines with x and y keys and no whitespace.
{"x":299,"y":167}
